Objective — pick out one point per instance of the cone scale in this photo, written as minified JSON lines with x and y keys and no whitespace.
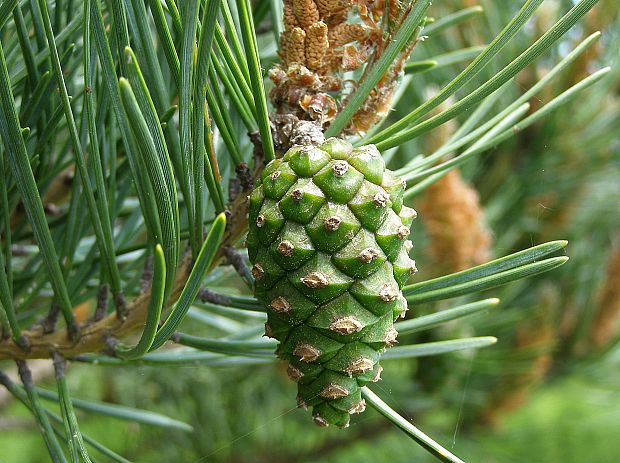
{"x":328,"y":240}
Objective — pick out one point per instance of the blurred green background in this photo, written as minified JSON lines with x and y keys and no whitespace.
{"x":549,"y":391}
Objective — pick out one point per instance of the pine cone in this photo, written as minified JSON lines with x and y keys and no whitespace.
{"x":328,"y":240}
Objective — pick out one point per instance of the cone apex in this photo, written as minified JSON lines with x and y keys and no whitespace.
{"x":285,"y":248}
{"x":315,"y":280}
{"x":258,"y":271}
{"x":368,"y":254}
{"x":306,"y":352}
{"x":320,"y":421}
{"x":403,"y":232}
{"x":297,"y":194}
{"x":280,"y":305}
{"x":346,"y":325}
{"x":332,"y":223}
{"x":340,"y":168}
{"x":388,"y":293}
{"x":377,"y":376}
{"x":294,"y":373}
{"x":360,"y":366}
{"x":390,"y":337}
{"x":334,"y":391}
{"x":358,"y":407}
{"x":380,"y":199}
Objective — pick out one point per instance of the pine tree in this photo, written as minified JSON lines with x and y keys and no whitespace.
{"x":120,"y":123}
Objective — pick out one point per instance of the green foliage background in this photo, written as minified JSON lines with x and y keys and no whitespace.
{"x":559,"y":178}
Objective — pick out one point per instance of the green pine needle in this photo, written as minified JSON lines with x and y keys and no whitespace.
{"x":153,"y":314}
{"x":404,"y":425}
{"x":256,"y":77}
{"x":203,"y":262}
{"x":403,"y":37}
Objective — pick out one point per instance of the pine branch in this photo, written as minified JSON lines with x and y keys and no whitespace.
{"x":93,"y":336}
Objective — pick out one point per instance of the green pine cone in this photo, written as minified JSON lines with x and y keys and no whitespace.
{"x":328,"y":239}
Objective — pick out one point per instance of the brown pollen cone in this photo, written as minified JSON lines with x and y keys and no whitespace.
{"x":606,"y":324}
{"x":454,"y":221}
{"x":323,"y":39}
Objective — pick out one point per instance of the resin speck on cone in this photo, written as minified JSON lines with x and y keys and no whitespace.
{"x":328,"y":242}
